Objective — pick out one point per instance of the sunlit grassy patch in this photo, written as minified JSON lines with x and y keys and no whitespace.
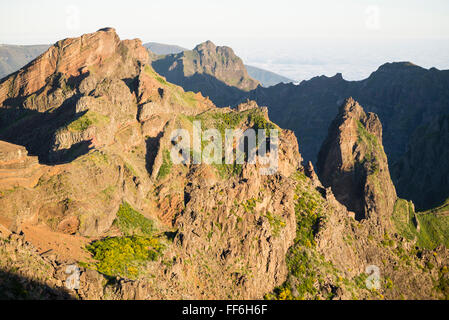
{"x":124,"y":256}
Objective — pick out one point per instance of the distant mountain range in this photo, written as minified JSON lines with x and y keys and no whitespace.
{"x":266,"y":78}
{"x":12,"y":57}
{"x":163,"y":49}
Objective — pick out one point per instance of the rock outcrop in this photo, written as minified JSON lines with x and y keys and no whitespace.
{"x":353,"y":163}
{"x":214,"y":71}
{"x":17,"y":169}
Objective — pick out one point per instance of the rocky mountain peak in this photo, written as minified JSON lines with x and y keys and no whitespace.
{"x":216,"y":71}
{"x":107,"y":29}
{"x":353,"y":163}
{"x":102,"y":52}
{"x":351,"y":108}
{"x":208,"y":48}
{"x":207,"y":45}
{"x":395,"y":69}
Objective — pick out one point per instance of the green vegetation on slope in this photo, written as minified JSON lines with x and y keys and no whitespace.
{"x":150,"y":71}
{"x":124,"y":256}
{"x":223,"y":121}
{"x":430,"y":229}
{"x":227,"y":171}
{"x":131,"y":222}
{"x":372,"y":144}
{"x":259,"y":121}
{"x":276,"y":223}
{"x":86,"y":120}
{"x":177,"y":96}
{"x":309,"y":274}
{"x":303,"y":262}
{"x":166,"y":166}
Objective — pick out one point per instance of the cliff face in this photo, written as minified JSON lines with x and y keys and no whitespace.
{"x":17,"y":169}
{"x":96,"y":113}
{"x":214,"y":71}
{"x":353,"y":163}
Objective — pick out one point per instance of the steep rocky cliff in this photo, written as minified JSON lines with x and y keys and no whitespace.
{"x":353,"y":163}
{"x":357,"y":228}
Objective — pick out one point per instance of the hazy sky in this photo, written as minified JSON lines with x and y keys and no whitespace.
{"x":256,"y":29}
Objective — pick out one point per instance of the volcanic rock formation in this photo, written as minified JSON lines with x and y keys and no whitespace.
{"x":353,"y":163}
